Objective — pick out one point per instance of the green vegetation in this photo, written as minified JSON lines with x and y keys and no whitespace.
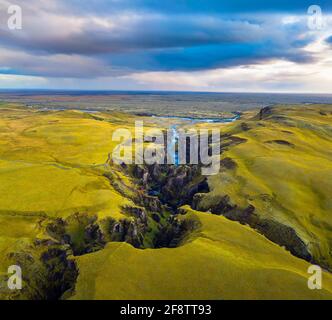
{"x":282,"y":167}
{"x":83,"y":228}
{"x":223,"y":260}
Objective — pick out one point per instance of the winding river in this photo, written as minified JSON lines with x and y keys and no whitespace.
{"x":189,"y":120}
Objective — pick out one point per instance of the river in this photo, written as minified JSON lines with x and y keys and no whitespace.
{"x":190,"y":120}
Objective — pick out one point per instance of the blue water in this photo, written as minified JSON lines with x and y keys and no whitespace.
{"x":174,"y":128}
{"x":202,"y":120}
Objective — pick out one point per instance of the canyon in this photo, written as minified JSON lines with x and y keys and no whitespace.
{"x":99,"y":230}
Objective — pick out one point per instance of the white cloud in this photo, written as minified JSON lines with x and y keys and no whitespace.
{"x":57,"y":65}
{"x":273,"y":76}
{"x":57,"y":46}
{"x":17,"y":81}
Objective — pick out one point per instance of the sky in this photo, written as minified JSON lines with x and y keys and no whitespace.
{"x":181,"y":45}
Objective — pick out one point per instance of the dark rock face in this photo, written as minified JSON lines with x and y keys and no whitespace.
{"x":230,"y":141}
{"x":80,"y":231}
{"x":48,"y":272}
{"x":277,"y":232}
{"x":155,"y":217}
{"x":61,"y":273}
{"x":150,"y":203}
{"x":284,"y":236}
{"x":160,"y":190}
{"x":223,"y":206}
{"x":56,"y":229}
{"x":197,"y":200}
{"x":136,"y":212}
{"x":127,"y":231}
{"x":245,"y":126}
{"x":175,"y":232}
{"x":219,"y":206}
{"x":170,"y":234}
{"x":265,"y":112}
{"x":228,"y":163}
{"x":174,"y":185}
{"x":281,"y":142}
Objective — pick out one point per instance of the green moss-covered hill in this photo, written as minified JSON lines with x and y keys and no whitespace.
{"x":277,"y":171}
{"x":82,"y":228}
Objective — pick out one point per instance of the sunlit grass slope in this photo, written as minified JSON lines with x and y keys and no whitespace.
{"x":53,"y":165}
{"x":222,"y":260}
{"x":283,"y":168}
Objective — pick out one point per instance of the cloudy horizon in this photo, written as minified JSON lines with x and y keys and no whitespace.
{"x":188,"y":45}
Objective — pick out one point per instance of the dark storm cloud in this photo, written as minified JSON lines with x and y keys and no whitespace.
{"x":126,"y":36}
{"x":199,"y":6}
{"x":135,"y":32}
